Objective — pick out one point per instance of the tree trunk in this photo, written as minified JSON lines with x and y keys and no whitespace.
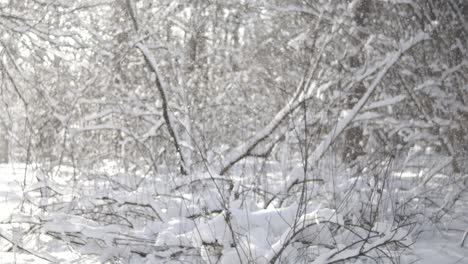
{"x":355,"y":135}
{"x":4,"y":147}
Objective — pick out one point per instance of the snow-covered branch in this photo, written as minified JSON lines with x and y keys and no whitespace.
{"x":246,"y":148}
{"x":341,"y":125}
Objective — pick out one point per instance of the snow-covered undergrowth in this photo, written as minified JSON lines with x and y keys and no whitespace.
{"x":256,"y":214}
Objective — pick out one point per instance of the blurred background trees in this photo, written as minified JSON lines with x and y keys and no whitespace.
{"x":74,"y":83}
{"x":76,"y":87}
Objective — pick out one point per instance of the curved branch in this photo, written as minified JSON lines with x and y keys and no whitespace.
{"x":153,"y":66}
{"x":151,"y":62}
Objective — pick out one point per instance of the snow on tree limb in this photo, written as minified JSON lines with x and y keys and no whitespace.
{"x":149,"y":58}
{"x":341,"y":125}
{"x":41,"y":255}
{"x":338,"y":255}
{"x":336,"y":131}
{"x":245,"y":149}
{"x":152,"y":64}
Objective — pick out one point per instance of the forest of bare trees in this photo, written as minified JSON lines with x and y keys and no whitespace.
{"x":234,"y":131}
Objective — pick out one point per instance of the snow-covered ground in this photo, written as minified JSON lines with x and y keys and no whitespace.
{"x":441,"y":249}
{"x":12,"y":177}
{"x":438,"y":246}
